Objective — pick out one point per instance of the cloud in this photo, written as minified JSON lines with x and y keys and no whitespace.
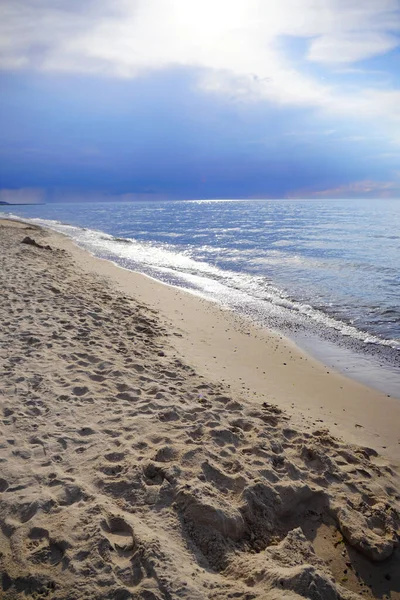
{"x":236,"y":45}
{"x":350,"y":48}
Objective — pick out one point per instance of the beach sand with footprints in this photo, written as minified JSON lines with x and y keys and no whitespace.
{"x":154,"y":446}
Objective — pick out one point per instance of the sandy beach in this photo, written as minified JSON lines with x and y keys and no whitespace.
{"x":154,"y":446}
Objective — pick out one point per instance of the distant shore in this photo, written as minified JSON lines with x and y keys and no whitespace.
{"x":156,"y":446}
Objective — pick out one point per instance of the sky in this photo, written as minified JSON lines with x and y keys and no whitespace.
{"x":149,"y":99}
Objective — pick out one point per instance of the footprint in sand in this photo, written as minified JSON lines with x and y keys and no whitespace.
{"x":80,"y":390}
{"x":123,"y":550}
{"x":120,"y":535}
{"x":44,"y":550}
{"x":85,"y":431}
{"x":114,"y":456}
{"x":3,"y":484}
{"x":27,"y":510}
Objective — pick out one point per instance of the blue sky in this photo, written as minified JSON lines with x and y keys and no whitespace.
{"x":199,"y":99}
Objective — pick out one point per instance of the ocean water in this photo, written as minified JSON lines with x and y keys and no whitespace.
{"x":324,"y":272}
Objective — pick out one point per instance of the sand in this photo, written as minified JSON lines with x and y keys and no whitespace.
{"x":154,"y":446}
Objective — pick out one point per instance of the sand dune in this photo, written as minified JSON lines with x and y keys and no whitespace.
{"x":127,"y":474}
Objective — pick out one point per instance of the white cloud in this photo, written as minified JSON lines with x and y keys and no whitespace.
{"x":351,"y":48}
{"x":234,"y":43}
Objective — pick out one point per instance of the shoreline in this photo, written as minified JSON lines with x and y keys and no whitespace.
{"x":373,"y":365}
{"x":253,"y":344}
{"x":157,"y":447}
{"x":241,"y":348}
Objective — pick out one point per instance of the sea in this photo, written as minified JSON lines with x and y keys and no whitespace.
{"x":325,"y":273}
